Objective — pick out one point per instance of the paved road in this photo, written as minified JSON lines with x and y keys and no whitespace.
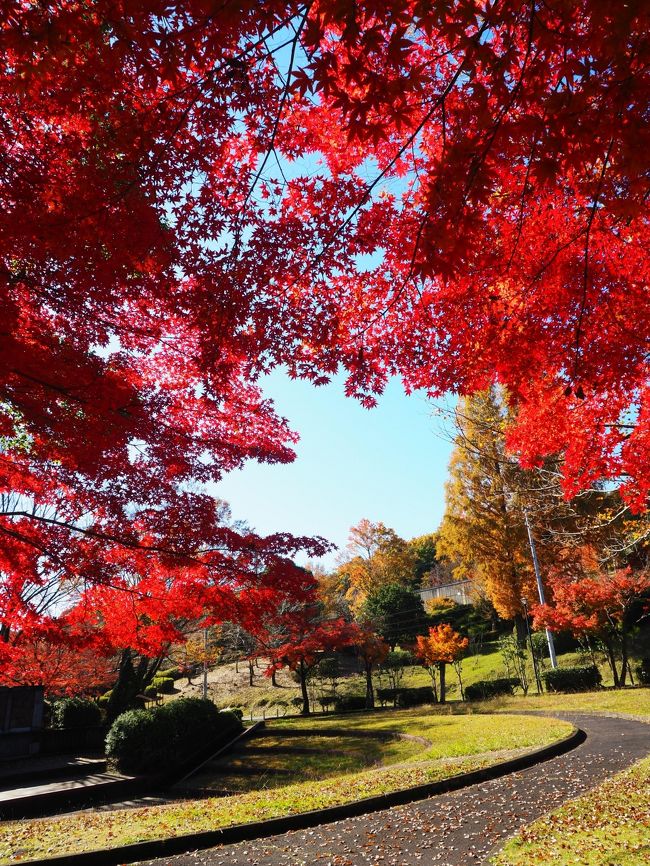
{"x":458,"y":829}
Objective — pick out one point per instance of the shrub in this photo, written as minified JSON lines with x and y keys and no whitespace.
{"x":386,"y":696}
{"x":165,"y":685}
{"x":484,"y":689}
{"x":75,"y":713}
{"x":572,"y":679}
{"x":643,"y":671}
{"x":165,"y":737}
{"x":150,"y":691}
{"x":348,"y":703}
{"x":174,"y":673}
{"x":415,"y":697}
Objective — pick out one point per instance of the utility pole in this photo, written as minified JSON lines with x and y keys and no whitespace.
{"x":540,"y":590}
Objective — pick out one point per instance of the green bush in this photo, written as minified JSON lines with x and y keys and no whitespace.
{"x":163,"y":684}
{"x":166,"y":737}
{"x":348,"y":703}
{"x":386,"y":696}
{"x":572,"y":679}
{"x":174,"y":673}
{"x":150,"y":691}
{"x":75,"y":713}
{"x":415,"y":697}
{"x":643,"y":671}
{"x":484,"y":689}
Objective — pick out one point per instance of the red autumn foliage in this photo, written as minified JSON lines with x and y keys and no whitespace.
{"x":485,"y":163}
{"x":600,"y":606}
{"x":306,"y":637}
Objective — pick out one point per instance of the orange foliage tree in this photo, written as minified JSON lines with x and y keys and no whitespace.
{"x":442,"y":646}
{"x":372,"y":650}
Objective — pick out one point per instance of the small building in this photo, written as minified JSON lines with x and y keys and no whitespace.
{"x":460,"y":591}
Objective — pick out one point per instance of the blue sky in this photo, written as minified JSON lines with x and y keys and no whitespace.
{"x":388,"y":464}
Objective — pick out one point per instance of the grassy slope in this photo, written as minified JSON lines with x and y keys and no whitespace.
{"x":229,"y":686}
{"x":633,"y":702}
{"x":609,"y":825}
{"x":457,"y":744}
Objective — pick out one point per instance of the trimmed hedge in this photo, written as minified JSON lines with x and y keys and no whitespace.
{"x":75,"y":713}
{"x":165,"y":685}
{"x":484,"y":689}
{"x":164,"y":738}
{"x":406,"y":697}
{"x":415,"y":697}
{"x":349,"y":703}
{"x":572,"y":679}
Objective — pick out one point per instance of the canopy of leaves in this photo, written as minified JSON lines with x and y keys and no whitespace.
{"x":396,"y":612}
{"x":157,"y":256}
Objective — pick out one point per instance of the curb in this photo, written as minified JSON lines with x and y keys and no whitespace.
{"x":259,"y":830}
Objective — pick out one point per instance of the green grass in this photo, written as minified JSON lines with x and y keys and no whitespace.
{"x":327,"y":756}
{"x":610,"y":825}
{"x":633,"y":702}
{"x":456,"y":744}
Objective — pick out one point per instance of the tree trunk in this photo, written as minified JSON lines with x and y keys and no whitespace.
{"x":370,"y":693}
{"x":520,"y":631}
{"x":273,"y":680}
{"x":611,"y":658}
{"x":251,"y":672}
{"x":434,"y":684}
{"x":442,"y":668}
{"x":302,"y":673}
{"x":624,"y":663}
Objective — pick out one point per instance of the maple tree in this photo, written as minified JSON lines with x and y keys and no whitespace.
{"x":598,"y":604}
{"x":307,"y":636}
{"x":372,"y":650}
{"x":442,"y":646}
{"x":167,"y":234}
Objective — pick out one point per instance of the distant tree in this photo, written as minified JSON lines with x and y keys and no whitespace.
{"x":394,"y":666}
{"x":483,"y":530}
{"x":425,"y":558}
{"x":376,"y":556}
{"x":372,"y":650}
{"x":396,"y":612}
{"x":442,"y":646}
{"x":307,"y":637}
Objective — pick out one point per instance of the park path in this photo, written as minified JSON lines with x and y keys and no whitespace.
{"x":457,"y":829}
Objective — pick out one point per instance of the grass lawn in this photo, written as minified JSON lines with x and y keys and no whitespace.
{"x":633,"y":702}
{"x":456,"y":744}
{"x":609,"y":825}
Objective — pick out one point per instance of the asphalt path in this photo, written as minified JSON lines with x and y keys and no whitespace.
{"x":458,"y":829}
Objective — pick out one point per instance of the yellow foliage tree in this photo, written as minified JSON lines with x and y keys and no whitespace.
{"x":483,"y":532}
{"x":377,"y":556}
